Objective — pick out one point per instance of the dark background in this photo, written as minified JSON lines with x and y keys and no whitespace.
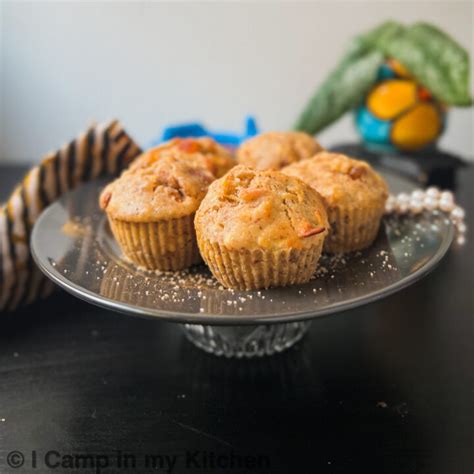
{"x":385,"y":388}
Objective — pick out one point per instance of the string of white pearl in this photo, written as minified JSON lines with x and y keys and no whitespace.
{"x":431,"y":199}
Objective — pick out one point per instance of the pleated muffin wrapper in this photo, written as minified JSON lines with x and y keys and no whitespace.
{"x":255,"y":269}
{"x":352,"y":228}
{"x":167,"y":245}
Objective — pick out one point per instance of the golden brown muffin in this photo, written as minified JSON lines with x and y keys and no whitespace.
{"x":202,"y":151}
{"x":257,"y":229}
{"x":274,"y":150}
{"x":354,"y":195}
{"x":151,"y":212}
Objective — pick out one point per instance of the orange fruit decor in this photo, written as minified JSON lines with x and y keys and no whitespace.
{"x":390,"y":98}
{"x":399,"y":69}
{"x":417,"y":127}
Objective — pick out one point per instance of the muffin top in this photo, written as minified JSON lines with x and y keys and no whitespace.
{"x":274,"y":150}
{"x":341,"y":181}
{"x":166,"y":189}
{"x":249,"y":209}
{"x":202,"y":151}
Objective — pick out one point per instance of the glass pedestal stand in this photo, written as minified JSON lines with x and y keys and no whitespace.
{"x":246,"y":341}
{"x":89,"y":264}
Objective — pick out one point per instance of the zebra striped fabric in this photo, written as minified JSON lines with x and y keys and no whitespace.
{"x":103,"y":149}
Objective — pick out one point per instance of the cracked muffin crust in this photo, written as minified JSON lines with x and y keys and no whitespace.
{"x":274,"y":150}
{"x":257,"y":229}
{"x":151,"y":212}
{"x":354,"y":195}
{"x":204,"y":152}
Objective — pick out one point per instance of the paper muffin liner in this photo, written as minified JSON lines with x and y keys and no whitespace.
{"x":167,"y":245}
{"x":254,"y":269}
{"x":352,"y":228}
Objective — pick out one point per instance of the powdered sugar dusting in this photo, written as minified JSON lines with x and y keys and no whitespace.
{"x":404,"y":245}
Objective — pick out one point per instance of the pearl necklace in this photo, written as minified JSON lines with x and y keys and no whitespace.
{"x":433,"y":200}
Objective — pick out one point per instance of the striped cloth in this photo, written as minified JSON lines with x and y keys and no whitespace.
{"x":103,"y":149}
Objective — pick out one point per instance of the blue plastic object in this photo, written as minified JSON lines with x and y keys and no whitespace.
{"x":196,"y":129}
{"x":385,"y":72}
{"x":373,"y":129}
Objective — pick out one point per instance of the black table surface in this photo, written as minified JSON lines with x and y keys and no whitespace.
{"x":385,"y":388}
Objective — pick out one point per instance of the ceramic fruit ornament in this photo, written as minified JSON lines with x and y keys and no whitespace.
{"x":398,"y":112}
{"x":400,"y":82}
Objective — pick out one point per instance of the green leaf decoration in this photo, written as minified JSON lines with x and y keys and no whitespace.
{"x":342,"y":90}
{"x":382,"y":34}
{"x":435,"y":60}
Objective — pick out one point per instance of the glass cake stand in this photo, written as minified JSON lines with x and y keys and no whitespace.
{"x":72,"y":244}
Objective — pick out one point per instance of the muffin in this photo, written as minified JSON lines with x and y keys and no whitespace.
{"x":151,"y":212}
{"x":257,"y":229}
{"x":354,"y":195}
{"x":201,"y":151}
{"x":274,"y":150}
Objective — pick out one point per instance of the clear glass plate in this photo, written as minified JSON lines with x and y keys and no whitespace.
{"x":72,"y":244}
